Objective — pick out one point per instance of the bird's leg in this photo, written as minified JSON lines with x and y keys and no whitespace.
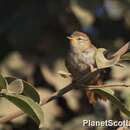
{"x":91,"y":67}
{"x":64,"y":74}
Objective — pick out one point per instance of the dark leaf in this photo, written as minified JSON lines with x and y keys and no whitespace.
{"x":28,"y":106}
{"x":110,"y":95}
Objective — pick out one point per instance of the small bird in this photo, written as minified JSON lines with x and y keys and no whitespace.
{"x":80,"y":59}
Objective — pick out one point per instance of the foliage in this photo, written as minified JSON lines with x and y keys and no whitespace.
{"x":24,"y":95}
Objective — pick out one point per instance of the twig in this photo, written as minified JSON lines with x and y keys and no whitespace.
{"x":75,"y":84}
{"x":108,"y":86}
{"x":11,"y":116}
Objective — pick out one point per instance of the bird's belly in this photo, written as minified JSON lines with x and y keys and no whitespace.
{"x":77,"y":66}
{"x":87,"y":57}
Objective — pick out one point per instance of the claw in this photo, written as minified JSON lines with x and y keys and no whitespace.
{"x":64,"y":74}
{"x":92,"y":69}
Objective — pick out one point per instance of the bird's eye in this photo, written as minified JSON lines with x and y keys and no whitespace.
{"x":79,"y":38}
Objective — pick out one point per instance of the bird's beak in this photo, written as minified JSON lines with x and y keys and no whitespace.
{"x":69,"y":37}
{"x":72,"y":39}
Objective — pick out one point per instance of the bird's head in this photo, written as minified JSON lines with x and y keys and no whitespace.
{"x":79,"y":40}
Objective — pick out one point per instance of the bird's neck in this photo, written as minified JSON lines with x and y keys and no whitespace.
{"x":75,"y":50}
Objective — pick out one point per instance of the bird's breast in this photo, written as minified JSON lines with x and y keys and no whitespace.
{"x":87,"y":56}
{"x":78,"y":63}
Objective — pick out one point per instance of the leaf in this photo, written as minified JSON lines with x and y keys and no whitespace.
{"x":83,"y":15}
{"x":3,"y":82}
{"x":15,"y":86}
{"x":29,"y":90}
{"x":107,"y":91}
{"x":110,"y":95}
{"x":28,"y":106}
{"x":103,"y":62}
{"x":122,"y":50}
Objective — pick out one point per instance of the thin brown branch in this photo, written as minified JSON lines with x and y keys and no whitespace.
{"x":82,"y":81}
{"x":11,"y":116}
{"x":108,"y":86}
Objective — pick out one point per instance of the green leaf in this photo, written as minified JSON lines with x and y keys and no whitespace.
{"x":102,"y":61}
{"x":28,"y":91}
{"x":109,"y":94}
{"x":3,"y":82}
{"x":106,"y":90}
{"x":15,"y":86}
{"x":28,"y":106}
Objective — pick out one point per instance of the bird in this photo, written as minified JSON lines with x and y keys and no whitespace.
{"x":81,"y":60}
{"x":81,"y":56}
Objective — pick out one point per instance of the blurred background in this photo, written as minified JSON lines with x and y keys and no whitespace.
{"x":33,"y":46}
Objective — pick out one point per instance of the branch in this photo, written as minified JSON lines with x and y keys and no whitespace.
{"x":108,"y":86}
{"x":82,"y":82}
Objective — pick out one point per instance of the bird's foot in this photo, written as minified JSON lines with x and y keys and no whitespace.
{"x":64,"y":74}
{"x":92,"y":68}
